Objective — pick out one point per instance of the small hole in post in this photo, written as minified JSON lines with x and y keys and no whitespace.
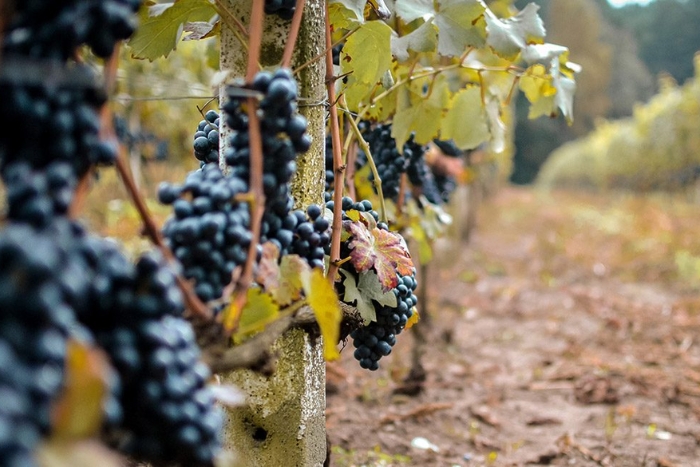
{"x":260,"y":434}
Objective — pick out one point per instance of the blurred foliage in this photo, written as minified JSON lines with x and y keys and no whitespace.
{"x":635,"y":238}
{"x":656,"y":149}
{"x":612,"y":82}
{"x":160,"y":97}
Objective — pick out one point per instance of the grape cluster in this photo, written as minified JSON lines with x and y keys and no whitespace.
{"x":330,"y":174}
{"x":169,"y":413}
{"x":348,"y":204}
{"x":374,"y":341}
{"x":64,"y":126}
{"x":446,"y":184}
{"x":139,"y":139}
{"x":311,"y":236}
{"x":389,"y":161}
{"x":209,"y":232}
{"x":206,"y":139}
{"x":41,"y":281}
{"x":421,"y":176}
{"x":282,"y":8}
{"x":37,"y":197}
{"x":283,"y":135}
{"x":55,"y":29}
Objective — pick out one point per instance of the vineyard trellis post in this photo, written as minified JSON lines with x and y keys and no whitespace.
{"x":283,"y":422}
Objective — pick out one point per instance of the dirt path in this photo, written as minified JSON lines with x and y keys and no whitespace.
{"x":562,"y":335}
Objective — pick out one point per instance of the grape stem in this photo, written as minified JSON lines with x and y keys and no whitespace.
{"x":293,"y":34}
{"x":338,"y":166}
{"x":257,"y":202}
{"x":377,"y":181}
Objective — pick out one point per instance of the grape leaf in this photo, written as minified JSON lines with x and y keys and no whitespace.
{"x":199,"y":30}
{"x":460,"y":24}
{"x":267,"y":273}
{"x":466,"y":121}
{"x":536,"y":83}
{"x":259,"y":311}
{"x":542,"y":53}
{"x":566,"y":88}
{"x":413,"y":320}
{"x":161,"y":28}
{"x":382,"y":250}
{"x":509,"y":36}
{"x":422,"y":39}
{"x":419,"y":110}
{"x":323,"y":300}
{"x":340,"y":18}
{"x":290,"y":284}
{"x":367,"y":53}
{"x":365,"y":290}
{"x":78,"y":411}
{"x":84,"y":453}
{"x":409,"y":10}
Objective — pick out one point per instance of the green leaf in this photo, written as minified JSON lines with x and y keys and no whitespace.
{"x":357,"y":7}
{"x":509,"y":36}
{"x":419,"y":110}
{"x":199,"y":30}
{"x":344,"y":14}
{"x":382,"y":250}
{"x":466,"y":120}
{"x":323,"y":300}
{"x":365,"y":290}
{"x":160,"y":32}
{"x":367,"y":53}
{"x":542,"y":53}
{"x":564,"y":98}
{"x":460,"y":25}
{"x":410,"y":10}
{"x":423,"y":39}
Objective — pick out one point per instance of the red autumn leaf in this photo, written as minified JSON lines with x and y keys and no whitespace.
{"x":382,"y":250}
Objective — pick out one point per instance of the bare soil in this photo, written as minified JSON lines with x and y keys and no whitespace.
{"x":564,"y":333}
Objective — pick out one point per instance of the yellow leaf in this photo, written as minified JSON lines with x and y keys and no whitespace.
{"x":78,"y":411}
{"x":259,"y":311}
{"x":84,"y":453}
{"x":323,"y":300}
{"x":413,"y":320}
{"x":536,"y":83}
{"x":353,"y":215}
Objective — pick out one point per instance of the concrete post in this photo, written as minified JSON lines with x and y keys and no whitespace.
{"x":283,"y":423}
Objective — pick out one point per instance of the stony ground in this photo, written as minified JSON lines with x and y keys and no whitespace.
{"x":564,"y":333}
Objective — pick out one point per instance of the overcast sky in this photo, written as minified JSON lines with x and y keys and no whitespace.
{"x":619,"y":3}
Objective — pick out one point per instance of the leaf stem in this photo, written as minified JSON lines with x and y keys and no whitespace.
{"x":377,"y":181}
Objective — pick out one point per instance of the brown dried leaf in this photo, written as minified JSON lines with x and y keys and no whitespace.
{"x":379,"y":249}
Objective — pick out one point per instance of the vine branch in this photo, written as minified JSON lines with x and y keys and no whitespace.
{"x":293,"y":34}
{"x":338,"y":167}
{"x":257,"y":203}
